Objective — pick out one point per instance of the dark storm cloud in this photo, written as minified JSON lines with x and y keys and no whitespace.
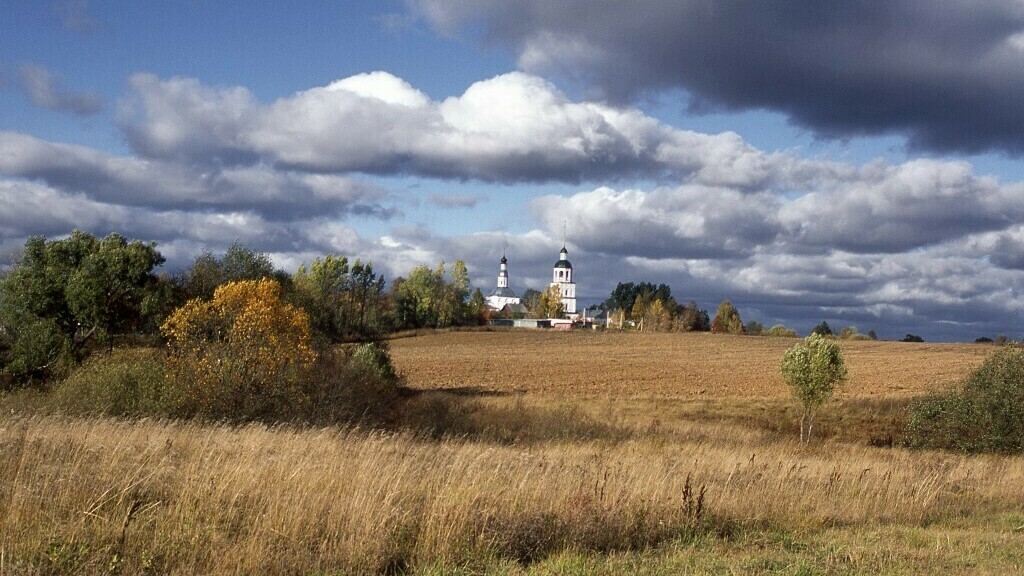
{"x":947,"y":75}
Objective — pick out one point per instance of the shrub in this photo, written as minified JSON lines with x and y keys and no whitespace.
{"x":128,"y":383}
{"x":755,"y":328}
{"x":812,"y":369}
{"x":373,"y":358}
{"x":245,"y":354}
{"x":782,"y":332}
{"x":353,"y":385}
{"x":983,"y":413}
{"x":912,"y":338}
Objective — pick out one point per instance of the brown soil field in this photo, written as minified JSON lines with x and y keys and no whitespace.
{"x":659,"y":365}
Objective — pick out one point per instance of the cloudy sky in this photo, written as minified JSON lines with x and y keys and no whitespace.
{"x":858,"y":162}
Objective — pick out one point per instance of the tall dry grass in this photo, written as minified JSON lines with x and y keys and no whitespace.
{"x":102,"y":496}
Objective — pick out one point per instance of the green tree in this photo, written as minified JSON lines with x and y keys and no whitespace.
{"x":114,"y":288}
{"x":531,"y":301}
{"x":238,"y":263}
{"x":62,"y":293}
{"x":342,"y":302}
{"x":478,"y":309}
{"x":812,"y":369}
{"x":321,"y":289}
{"x":755,"y":328}
{"x":727,"y":319}
{"x":370,"y":316}
{"x":432,"y":297}
{"x":822,"y":329}
{"x":454,"y":291}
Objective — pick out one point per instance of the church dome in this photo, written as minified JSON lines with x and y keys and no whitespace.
{"x":563,"y":260}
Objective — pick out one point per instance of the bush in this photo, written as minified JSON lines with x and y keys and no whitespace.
{"x":755,"y":328}
{"x":912,"y":338}
{"x":983,"y":413}
{"x":781,"y":331}
{"x":373,"y":358}
{"x":353,"y":385}
{"x":246,"y":354}
{"x":128,"y":383}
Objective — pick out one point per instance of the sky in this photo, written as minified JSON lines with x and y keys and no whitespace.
{"x":859,"y":162}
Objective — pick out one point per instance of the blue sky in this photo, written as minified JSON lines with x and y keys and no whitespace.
{"x":859,"y":164}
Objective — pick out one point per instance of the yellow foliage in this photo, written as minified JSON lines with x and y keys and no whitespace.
{"x":245,"y":353}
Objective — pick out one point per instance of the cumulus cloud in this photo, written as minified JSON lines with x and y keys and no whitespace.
{"x":131,"y":181}
{"x":946,"y":76}
{"x":31,"y":208}
{"x":46,"y":90}
{"x":877,"y":208}
{"x":894,"y":208}
{"x":687,"y":222}
{"x":510,"y":128}
{"x":925,"y":245}
{"x":180,"y":118}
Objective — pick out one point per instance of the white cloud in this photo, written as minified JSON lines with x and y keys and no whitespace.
{"x":927,"y":241}
{"x":163,"y":184}
{"x":511,"y":128}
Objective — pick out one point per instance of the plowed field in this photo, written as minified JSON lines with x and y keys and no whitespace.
{"x":647,"y":365}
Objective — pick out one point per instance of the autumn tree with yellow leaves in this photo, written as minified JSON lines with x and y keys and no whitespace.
{"x":245,"y":353}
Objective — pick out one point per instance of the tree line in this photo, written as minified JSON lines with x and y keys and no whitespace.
{"x":65,"y":297}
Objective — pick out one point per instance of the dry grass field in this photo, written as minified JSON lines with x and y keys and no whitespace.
{"x":560,"y":477}
{"x":662,"y":365}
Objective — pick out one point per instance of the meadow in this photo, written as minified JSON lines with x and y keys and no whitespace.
{"x":529,"y":453}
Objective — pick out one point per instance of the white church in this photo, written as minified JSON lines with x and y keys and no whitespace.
{"x":561,"y":276}
{"x":502,"y":295}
